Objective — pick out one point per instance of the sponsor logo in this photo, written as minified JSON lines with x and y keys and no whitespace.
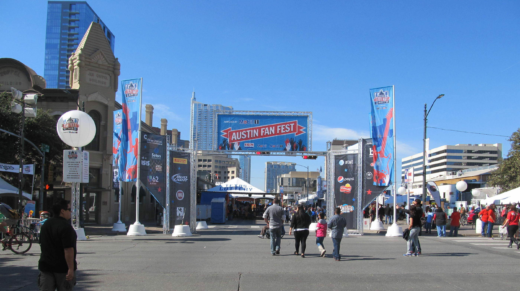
{"x":350,"y":179}
{"x":341,"y":179}
{"x":145,"y":163}
{"x":131,"y":89}
{"x":369,"y":175}
{"x":381,"y":97}
{"x":152,"y":141}
{"x":156,"y":156}
{"x":230,"y":121}
{"x":180,"y":161}
{"x":158,"y":168}
{"x":263,"y":145}
{"x":249,"y":121}
{"x":119,"y":118}
{"x":180,"y":211}
{"x":72,"y":155}
{"x":346,"y":189}
{"x":179,"y":195}
{"x":27,"y":169}
{"x":71,"y":125}
{"x":349,"y":162}
{"x":249,"y":145}
{"x":341,"y":162}
{"x":153,"y":179}
{"x":345,"y":208}
{"x":177,"y":178}
{"x":7,"y":167}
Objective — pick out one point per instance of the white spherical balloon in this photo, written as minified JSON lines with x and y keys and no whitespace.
{"x":401,"y":191}
{"x":475,"y":192}
{"x":461,"y":186}
{"x":76,"y":128}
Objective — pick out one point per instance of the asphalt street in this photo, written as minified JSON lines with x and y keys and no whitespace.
{"x":232,"y":257}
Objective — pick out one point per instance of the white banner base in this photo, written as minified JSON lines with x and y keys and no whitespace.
{"x":119,"y":227}
{"x":181,"y":230}
{"x":80,"y":233}
{"x":136,"y":229}
{"x":394,"y":231}
{"x":201,"y":225}
{"x":377,"y":225}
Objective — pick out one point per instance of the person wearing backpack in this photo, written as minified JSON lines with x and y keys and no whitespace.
{"x":440,"y":219}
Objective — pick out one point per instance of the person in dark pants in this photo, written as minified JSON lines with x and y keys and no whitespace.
{"x":300,"y":225}
{"x":512,"y":221}
{"x":57,"y":263}
{"x":337,"y":224}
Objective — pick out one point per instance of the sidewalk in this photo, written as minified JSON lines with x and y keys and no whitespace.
{"x":466,"y":230}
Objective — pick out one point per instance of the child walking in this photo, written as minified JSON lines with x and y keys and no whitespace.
{"x":321,"y":232}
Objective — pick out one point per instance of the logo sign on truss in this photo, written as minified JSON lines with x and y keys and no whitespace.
{"x":264,"y":131}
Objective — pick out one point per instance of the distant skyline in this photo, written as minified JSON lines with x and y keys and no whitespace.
{"x":313,"y":56}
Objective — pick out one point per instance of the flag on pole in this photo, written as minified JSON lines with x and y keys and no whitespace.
{"x":131,"y":91}
{"x":382,"y":133}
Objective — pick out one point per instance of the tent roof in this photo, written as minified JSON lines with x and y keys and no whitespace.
{"x":6,"y":188}
{"x":504,"y":198}
{"x":236,"y":185}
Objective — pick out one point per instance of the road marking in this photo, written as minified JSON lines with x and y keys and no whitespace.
{"x":484,"y":244}
{"x":212,"y":226}
{"x":233,"y":226}
{"x":255,"y":226}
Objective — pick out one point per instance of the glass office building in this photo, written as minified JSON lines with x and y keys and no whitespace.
{"x":273,"y":170}
{"x":245,"y":168}
{"x":67,"y":23}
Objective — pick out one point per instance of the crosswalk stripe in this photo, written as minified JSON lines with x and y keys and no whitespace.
{"x":484,"y":244}
{"x":233,"y":226}
{"x":255,"y":226}
{"x":212,"y":226}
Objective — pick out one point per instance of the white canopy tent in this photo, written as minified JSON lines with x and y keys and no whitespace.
{"x":6,"y":188}
{"x":236,"y":185}
{"x":511,"y":196}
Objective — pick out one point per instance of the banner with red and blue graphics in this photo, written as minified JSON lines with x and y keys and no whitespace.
{"x":131,"y":91}
{"x":118,"y":160}
{"x":251,"y":132}
{"x":382,"y":133}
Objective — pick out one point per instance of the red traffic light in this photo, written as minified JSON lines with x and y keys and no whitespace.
{"x":49,"y":187}
{"x":310,"y":157}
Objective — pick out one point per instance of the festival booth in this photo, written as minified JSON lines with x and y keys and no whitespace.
{"x":8,"y":189}
{"x":233,"y":190}
{"x":511,"y":196}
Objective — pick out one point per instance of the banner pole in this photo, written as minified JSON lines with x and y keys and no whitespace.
{"x":166,"y":216}
{"x":395,"y":151}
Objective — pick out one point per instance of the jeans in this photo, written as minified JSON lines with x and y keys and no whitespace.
{"x":441,"y":230}
{"x":454,"y":230}
{"x":319,"y":241}
{"x":484,"y":228}
{"x":276,"y":239}
{"x":428,"y":227}
{"x":300,"y":237}
{"x":390,"y":219}
{"x":335,"y":252}
{"x":490,"y":229}
{"x":283,"y":230}
{"x":413,"y":240}
{"x":387,"y":218}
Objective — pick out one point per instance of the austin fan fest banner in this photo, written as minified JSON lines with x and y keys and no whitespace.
{"x":180,"y":181}
{"x":346,"y":187}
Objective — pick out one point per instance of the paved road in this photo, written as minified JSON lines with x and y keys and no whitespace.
{"x":224,"y":258}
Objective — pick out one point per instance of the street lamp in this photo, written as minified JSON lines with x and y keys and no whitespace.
{"x":426,"y":113}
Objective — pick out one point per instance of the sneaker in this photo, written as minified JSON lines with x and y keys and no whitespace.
{"x":260,"y":236}
{"x":408,"y":255}
{"x":273,"y":254}
{"x":323,"y":253}
{"x":419,"y":253}
{"x":277,"y":252}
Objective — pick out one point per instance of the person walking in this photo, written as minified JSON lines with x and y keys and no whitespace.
{"x":337,"y":224}
{"x":492,"y":218}
{"x":300,"y":225}
{"x":413,"y":248}
{"x":321,"y":232}
{"x":484,"y":216}
{"x":429,"y":220}
{"x":274,"y":216}
{"x":512,"y":226}
{"x":455,"y":223}
{"x":57,"y":263}
{"x":440,"y":219}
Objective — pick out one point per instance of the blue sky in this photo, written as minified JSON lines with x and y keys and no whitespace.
{"x":312,"y":56}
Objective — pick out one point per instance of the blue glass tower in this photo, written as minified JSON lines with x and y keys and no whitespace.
{"x":67,"y":22}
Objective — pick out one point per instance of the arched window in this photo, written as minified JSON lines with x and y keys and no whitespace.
{"x":142,"y":194}
{"x":94,"y":145}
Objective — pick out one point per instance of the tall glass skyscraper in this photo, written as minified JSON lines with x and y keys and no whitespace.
{"x":202,"y":132}
{"x":245,"y":168}
{"x":273,"y":170}
{"x":67,"y":22}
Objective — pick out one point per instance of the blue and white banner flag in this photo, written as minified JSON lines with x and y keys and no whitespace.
{"x":131,"y":91}
{"x":382,"y":133}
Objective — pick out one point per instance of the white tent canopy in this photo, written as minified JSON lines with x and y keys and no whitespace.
{"x":6,"y":188}
{"x":511,"y":196}
{"x":238,"y":186}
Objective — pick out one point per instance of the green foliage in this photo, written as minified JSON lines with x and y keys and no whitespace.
{"x":39,"y":130}
{"x":508,"y":174}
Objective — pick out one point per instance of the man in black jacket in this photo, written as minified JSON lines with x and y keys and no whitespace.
{"x":57,"y":263}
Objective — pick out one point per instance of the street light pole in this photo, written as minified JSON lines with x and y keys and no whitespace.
{"x":426,"y":113}
{"x":307,"y":181}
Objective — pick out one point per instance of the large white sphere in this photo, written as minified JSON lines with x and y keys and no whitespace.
{"x":401,"y":191}
{"x":76,"y":128}
{"x":461,"y":186}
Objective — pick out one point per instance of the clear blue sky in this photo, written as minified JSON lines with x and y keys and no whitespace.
{"x":319,"y":56}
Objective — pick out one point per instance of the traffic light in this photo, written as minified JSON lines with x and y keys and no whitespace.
{"x":310,"y":157}
{"x":262,"y":153}
{"x":49,"y":187}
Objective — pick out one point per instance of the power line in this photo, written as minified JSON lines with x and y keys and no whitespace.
{"x":468,"y":131}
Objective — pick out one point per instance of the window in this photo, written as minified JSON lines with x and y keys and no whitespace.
{"x":94,"y":144}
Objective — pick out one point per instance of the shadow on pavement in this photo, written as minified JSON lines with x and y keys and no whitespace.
{"x":447,"y":254}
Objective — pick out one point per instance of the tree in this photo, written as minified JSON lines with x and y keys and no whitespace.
{"x":39,"y":130}
{"x":508,"y":174}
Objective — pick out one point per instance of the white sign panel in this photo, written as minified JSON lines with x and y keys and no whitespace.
{"x":27,"y":169}
{"x":72,"y":166}
{"x":86,"y":164}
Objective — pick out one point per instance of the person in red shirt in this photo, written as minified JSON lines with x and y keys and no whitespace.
{"x":455,"y":223}
{"x":512,"y":220}
{"x":483,"y":215}
{"x":492,"y":218}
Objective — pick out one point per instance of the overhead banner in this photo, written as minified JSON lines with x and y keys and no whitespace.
{"x":250,"y":132}
{"x":346,"y":187}
{"x":153,"y":168}
{"x":370,"y":191}
{"x":27,"y":169}
{"x":180,"y":188}
{"x":382,"y":133}
{"x":118,"y":160}
{"x":131,"y":91}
